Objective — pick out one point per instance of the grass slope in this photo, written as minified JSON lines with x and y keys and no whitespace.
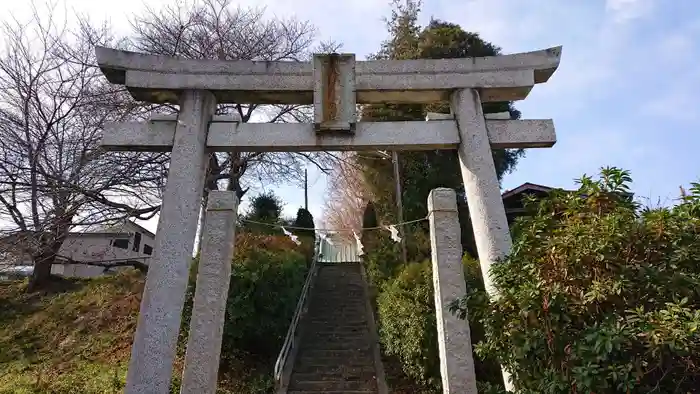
{"x":74,"y":337}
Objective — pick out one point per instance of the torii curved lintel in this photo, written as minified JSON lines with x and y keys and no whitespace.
{"x":160,"y":78}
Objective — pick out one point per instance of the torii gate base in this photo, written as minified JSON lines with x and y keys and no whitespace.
{"x":334,"y":84}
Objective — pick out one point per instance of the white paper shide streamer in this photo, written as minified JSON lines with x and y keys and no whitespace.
{"x":360,"y":247}
{"x":394,"y":233}
{"x":291,"y":236}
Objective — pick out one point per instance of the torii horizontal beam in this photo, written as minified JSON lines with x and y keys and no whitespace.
{"x":160,"y":79}
{"x":158,"y":135}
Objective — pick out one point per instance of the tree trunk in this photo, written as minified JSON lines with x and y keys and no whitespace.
{"x":41,"y":275}
{"x":44,"y":259}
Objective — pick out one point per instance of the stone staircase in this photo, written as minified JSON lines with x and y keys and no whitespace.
{"x":337,"y":348}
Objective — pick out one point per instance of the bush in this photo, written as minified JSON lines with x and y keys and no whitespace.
{"x":383,"y":260}
{"x":598,"y":296}
{"x":406,"y":310}
{"x":407,"y":328}
{"x":267,"y":275}
{"x":266,"y":280}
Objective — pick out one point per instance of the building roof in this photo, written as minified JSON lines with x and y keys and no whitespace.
{"x":527,"y":186}
{"x":121,"y":229}
{"x":533,"y":187}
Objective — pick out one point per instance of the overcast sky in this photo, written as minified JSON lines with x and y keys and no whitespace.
{"x":622,"y":95}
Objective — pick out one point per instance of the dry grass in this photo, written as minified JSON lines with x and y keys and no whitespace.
{"x":73,"y":337}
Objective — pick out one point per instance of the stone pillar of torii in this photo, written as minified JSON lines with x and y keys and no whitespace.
{"x":335,"y":84}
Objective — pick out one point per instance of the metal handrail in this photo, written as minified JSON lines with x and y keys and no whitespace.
{"x":289,"y":340}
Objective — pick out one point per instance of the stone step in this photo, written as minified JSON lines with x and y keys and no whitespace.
{"x":352,"y":287}
{"x":349,"y":353}
{"x":337,"y":305}
{"x":352,"y":336}
{"x":329,"y":301}
{"x":358,"y":321}
{"x":336,"y":321}
{"x":333,"y":370}
{"x":332,"y":300}
{"x":335,"y":329}
{"x":327,"y":304}
{"x":330,"y":392}
{"x":333,"y":325}
{"x":316,"y":377}
{"x":335,"y":353}
{"x":335,"y":336}
{"x":338,"y":333}
{"x":342,"y":315}
{"x":331,"y":359}
{"x":316,"y":363}
{"x":330,"y":327}
{"x":340,"y":283}
{"x":324,"y":279}
{"x":333,"y":346}
{"x":334,"y":385}
{"x":332,"y":309}
{"x":320,"y":364}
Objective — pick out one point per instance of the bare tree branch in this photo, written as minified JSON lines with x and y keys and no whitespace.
{"x":53,"y":174}
{"x":215,"y":29}
{"x":346,"y":196}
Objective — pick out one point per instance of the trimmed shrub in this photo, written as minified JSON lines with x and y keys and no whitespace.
{"x":267,"y":276}
{"x":598,"y":295}
{"x":383,"y":260}
{"x":407,"y":327}
{"x":408,"y":331}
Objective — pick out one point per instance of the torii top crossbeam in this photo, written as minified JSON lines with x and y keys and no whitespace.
{"x":159,"y":79}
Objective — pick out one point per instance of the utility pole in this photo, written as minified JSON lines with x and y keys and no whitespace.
{"x":306,"y":189}
{"x":399,"y":205}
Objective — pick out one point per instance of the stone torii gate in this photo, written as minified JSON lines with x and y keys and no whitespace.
{"x":334,"y":84}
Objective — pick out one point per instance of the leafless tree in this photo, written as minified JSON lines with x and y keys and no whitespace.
{"x":53,"y":175}
{"x":346,"y":197}
{"x":215,"y":29}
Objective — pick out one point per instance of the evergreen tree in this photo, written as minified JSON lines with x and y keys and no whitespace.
{"x":306,"y":220}
{"x":423,"y":171}
{"x":264,"y":208}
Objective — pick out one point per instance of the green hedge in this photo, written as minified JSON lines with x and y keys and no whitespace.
{"x":599,"y":296}
{"x":407,"y":326}
{"x":265,"y":287}
{"x":267,"y":275}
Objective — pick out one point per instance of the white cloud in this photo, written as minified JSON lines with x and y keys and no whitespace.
{"x":623,"y":11}
{"x":671,"y":105}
